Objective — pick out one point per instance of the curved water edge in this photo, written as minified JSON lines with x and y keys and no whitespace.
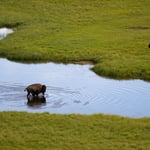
{"x":71,"y":88}
{"x":4,"y":32}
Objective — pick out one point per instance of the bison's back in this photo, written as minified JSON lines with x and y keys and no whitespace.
{"x":34,"y":87}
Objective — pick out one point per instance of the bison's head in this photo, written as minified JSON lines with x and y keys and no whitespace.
{"x":43,"y":89}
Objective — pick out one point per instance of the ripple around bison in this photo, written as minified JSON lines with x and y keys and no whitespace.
{"x":70,"y":88}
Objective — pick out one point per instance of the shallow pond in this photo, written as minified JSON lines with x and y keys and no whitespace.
{"x":4,"y":32}
{"x":71,"y":88}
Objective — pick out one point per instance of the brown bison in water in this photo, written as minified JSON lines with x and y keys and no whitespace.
{"x":35,"y":89}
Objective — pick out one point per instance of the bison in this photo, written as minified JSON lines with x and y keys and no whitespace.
{"x":35,"y":89}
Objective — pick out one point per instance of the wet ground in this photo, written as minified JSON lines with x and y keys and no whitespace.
{"x":71,"y":89}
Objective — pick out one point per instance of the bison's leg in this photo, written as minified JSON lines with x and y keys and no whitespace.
{"x":36,"y":92}
{"x":28,"y":92}
{"x":43,"y":93}
{"x":33,"y":93}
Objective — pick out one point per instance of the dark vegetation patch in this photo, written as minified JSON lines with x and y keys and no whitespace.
{"x":139,"y":28}
{"x":11,"y":25}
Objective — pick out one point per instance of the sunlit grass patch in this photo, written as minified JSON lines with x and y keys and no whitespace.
{"x":51,"y":131}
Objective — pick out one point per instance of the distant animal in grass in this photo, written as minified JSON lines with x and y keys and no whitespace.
{"x":148,"y":45}
{"x":35,"y":89}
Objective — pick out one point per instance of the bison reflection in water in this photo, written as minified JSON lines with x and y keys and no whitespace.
{"x":35,"y":100}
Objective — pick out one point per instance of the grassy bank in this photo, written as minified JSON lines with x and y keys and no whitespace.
{"x":27,"y":131}
{"x":112,"y":34}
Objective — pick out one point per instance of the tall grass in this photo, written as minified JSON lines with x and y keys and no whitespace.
{"x":28,"y":131}
{"x":113,"y":34}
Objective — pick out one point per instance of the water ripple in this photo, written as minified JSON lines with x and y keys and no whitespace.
{"x":71,"y":89}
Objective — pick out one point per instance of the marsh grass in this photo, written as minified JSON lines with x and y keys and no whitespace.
{"x":104,"y":32}
{"x":29,"y":131}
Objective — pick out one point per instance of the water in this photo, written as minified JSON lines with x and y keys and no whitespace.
{"x":4,"y":32}
{"x":71,"y":88}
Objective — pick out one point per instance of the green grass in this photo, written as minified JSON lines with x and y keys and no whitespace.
{"x":67,"y":31}
{"x":101,"y":31}
{"x":29,"y":131}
